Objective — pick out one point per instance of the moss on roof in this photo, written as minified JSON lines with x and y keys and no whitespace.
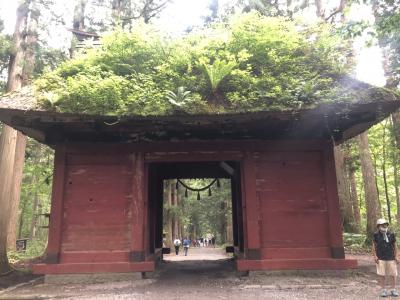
{"x":248,"y":64}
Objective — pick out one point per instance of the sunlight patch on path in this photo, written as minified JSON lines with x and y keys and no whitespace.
{"x":201,"y":253}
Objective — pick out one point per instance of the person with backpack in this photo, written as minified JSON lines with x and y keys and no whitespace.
{"x":186,"y":244}
{"x":177,"y":244}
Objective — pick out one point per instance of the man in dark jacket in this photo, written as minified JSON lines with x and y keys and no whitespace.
{"x":385,"y":255}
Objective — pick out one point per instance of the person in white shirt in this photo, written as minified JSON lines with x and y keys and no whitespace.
{"x":177,"y":244}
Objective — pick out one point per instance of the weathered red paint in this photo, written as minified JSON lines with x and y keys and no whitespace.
{"x":138,"y":208}
{"x":113,"y":267}
{"x":296,"y":264}
{"x":251,"y":210}
{"x":101,"y":211}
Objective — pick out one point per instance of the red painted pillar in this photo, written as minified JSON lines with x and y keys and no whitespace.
{"x":335,"y":224}
{"x":138,"y":208}
{"x":251,"y":212}
{"x":56,"y":213}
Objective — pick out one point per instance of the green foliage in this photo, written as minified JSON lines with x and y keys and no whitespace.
{"x":36,"y":183}
{"x":355,"y":243}
{"x":47,"y":59}
{"x":351,"y":239}
{"x":387,"y":24}
{"x":34,"y":248}
{"x":179,"y":99}
{"x":207,"y":215}
{"x":5,"y":51}
{"x":250,"y":62}
{"x":217,"y":71}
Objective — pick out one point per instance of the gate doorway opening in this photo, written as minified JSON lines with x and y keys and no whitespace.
{"x":198,"y":201}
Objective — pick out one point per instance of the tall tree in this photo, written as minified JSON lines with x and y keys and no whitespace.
{"x":20,"y":69}
{"x":354,"y":197}
{"x":5,"y":47}
{"x":123,"y":13}
{"x":9,"y":137}
{"x":395,"y":161}
{"x":213,"y":6}
{"x":384,"y":158}
{"x":387,"y":23}
{"x":78,"y":23}
{"x":168,"y":186}
{"x":29,"y":45}
{"x":8,"y":141}
{"x":344,"y":191}
{"x":371,"y":194}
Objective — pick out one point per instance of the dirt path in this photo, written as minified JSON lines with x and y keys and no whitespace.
{"x":198,"y":253}
{"x":181,"y":277}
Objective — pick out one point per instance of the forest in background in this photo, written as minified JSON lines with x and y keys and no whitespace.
{"x":192,"y":214}
{"x":368,"y":175}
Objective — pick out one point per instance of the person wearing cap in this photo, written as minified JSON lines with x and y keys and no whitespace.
{"x":385,"y":255}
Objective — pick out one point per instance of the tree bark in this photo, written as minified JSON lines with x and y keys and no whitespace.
{"x":8,"y":141}
{"x":394,"y":143}
{"x":21,"y":220}
{"x":116,"y":7}
{"x":79,"y":15}
{"x":16,"y":190}
{"x":32,"y":231}
{"x":384,"y":173}
{"x":396,"y":187}
{"x":396,"y":128}
{"x":30,"y":43}
{"x":170,"y":238}
{"x":175,"y":224}
{"x":371,"y":194}
{"x":319,"y":10}
{"x":223,"y":229}
{"x":9,"y":138}
{"x":15,"y":67}
{"x":78,"y":23}
{"x":27,"y":41}
{"x":354,"y":199}
{"x":376,"y":183}
{"x":343,"y":184}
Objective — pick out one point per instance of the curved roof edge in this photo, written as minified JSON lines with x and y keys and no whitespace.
{"x":339,"y":120}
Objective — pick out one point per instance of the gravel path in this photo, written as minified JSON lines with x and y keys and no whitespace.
{"x":180,"y":277}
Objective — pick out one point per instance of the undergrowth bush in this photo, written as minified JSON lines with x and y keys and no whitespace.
{"x":35,"y":248}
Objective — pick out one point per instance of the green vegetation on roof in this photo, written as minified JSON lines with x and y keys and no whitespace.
{"x":250,"y":63}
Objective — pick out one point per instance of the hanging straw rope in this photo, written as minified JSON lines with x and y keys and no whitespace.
{"x":197,"y":189}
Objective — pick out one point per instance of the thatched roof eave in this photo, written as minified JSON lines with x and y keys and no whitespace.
{"x":339,"y":120}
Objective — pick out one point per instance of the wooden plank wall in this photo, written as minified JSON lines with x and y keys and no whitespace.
{"x":97,"y":209}
{"x":291,"y":193}
{"x":287,"y":212}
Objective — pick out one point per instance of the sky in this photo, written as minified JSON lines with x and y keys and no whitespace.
{"x":182,"y":14}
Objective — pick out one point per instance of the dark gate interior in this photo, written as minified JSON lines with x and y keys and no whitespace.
{"x":160,"y":171}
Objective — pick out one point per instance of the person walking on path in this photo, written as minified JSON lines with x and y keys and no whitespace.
{"x":186,"y":244}
{"x":385,"y":256}
{"x":177,"y":244}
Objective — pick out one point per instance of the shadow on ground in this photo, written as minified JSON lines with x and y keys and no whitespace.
{"x":217,"y":279}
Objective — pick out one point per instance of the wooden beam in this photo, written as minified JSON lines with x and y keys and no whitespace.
{"x":251,"y":211}
{"x":108,"y":267}
{"x":56,"y":213}
{"x":296,"y":264}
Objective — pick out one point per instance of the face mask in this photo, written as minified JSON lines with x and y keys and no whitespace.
{"x":383,"y":229}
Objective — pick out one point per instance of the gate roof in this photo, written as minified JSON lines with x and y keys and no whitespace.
{"x":339,"y":120}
